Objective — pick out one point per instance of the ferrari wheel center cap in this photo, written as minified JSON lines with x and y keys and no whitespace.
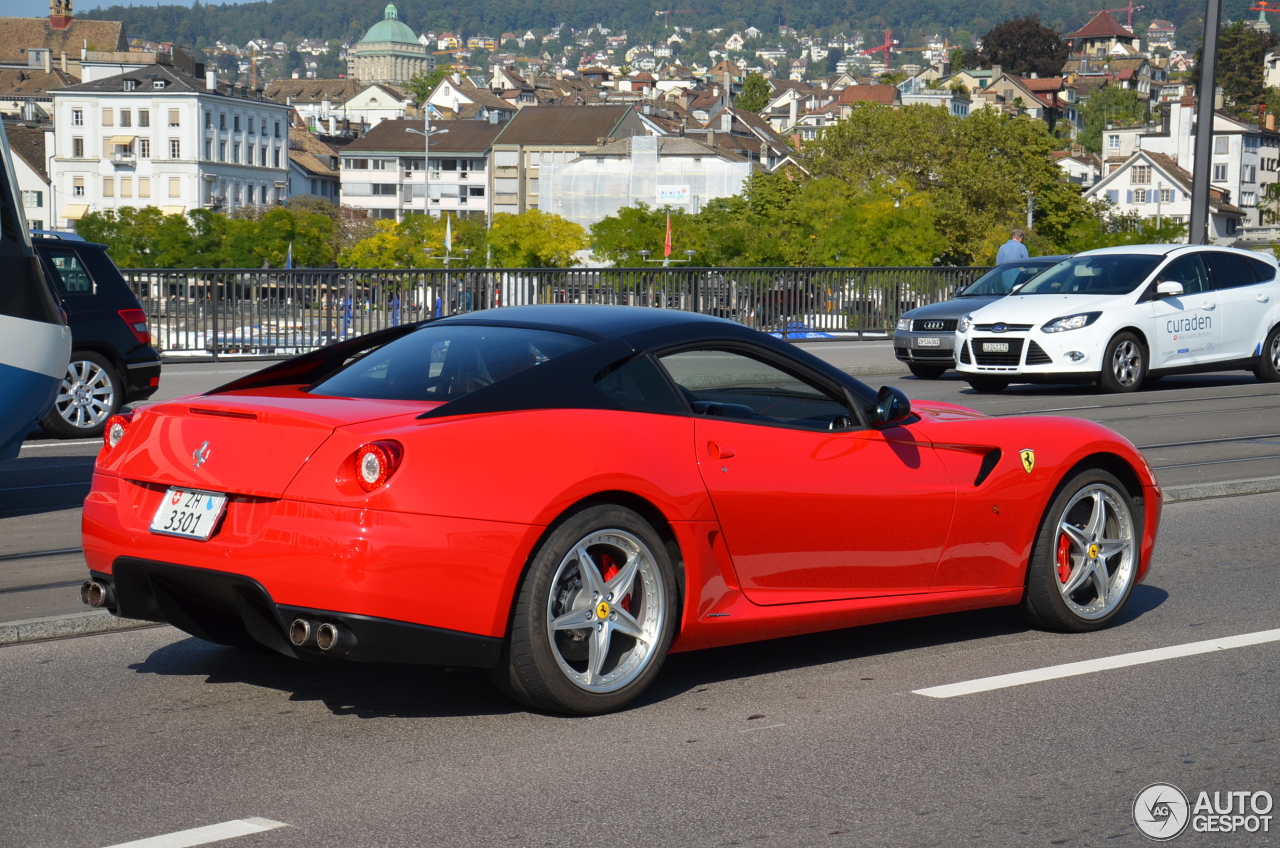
{"x":602,"y":609}
{"x":1093,"y":551}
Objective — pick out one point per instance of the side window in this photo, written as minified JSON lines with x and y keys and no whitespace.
{"x":1230,"y":270}
{"x":1189,"y":271}
{"x":639,"y":386}
{"x":1265,"y":272}
{"x":69,"y":272}
{"x":724,"y":384}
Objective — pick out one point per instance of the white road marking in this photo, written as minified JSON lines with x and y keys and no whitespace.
{"x":1053,"y":672}
{"x":204,"y":835}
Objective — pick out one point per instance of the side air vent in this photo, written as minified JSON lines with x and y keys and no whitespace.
{"x":1036,"y":355}
{"x":964,"y":354}
{"x":988,"y":465}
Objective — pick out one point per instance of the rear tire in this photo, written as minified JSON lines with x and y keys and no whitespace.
{"x":988,"y":385}
{"x":1268,"y":370}
{"x":926,"y":372}
{"x":1124,"y":365}
{"x":1084,"y":564}
{"x":627,"y":620}
{"x":91,"y":392}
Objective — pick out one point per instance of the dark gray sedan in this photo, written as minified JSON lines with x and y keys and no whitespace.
{"x":925,"y":338}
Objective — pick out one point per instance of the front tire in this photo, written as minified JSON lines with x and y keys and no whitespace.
{"x":1269,"y":365}
{"x":1085,"y":560}
{"x":926,"y":372}
{"x":1124,"y":365}
{"x":594,"y":617}
{"x":91,"y":392}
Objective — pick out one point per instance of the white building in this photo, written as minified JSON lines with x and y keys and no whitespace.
{"x":660,"y":171}
{"x":166,"y":134}
{"x":1153,"y":186}
{"x":386,"y":171}
{"x":1244,"y":154}
{"x":30,"y":144}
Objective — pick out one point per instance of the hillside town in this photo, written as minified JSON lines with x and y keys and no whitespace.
{"x":580,"y":124}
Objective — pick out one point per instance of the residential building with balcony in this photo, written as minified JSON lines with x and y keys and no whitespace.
{"x":388,"y":171}
{"x":166,"y":134}
{"x":550,"y":135}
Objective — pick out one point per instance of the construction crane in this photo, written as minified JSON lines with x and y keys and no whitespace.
{"x":1130,"y":9}
{"x":887,"y":48}
{"x":667,"y":13}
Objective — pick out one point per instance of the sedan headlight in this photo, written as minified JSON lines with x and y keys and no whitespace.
{"x":1070,"y":322}
{"x":904,"y":324}
{"x":966,"y":323}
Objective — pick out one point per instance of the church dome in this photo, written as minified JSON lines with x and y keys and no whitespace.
{"x":390,"y":29}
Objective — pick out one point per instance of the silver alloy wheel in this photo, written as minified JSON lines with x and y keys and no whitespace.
{"x":87,"y":395}
{"x":1095,"y":551}
{"x":1126,"y":363}
{"x":1275,"y":352}
{"x":604,"y":631}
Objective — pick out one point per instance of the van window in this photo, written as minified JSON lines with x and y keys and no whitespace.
{"x":69,"y":273}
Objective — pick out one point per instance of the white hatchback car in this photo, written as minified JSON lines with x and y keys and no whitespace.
{"x":1122,"y":315}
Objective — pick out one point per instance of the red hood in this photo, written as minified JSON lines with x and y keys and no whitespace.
{"x":253,"y":444}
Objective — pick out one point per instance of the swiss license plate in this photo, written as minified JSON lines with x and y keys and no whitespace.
{"x":189,"y":513}
{"x":929,"y":341}
{"x":995,"y":347}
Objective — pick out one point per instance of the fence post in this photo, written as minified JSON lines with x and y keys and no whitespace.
{"x":213,"y":317}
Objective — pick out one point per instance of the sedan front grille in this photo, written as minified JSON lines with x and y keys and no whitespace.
{"x":1008,"y":358}
{"x":1010,"y":328}
{"x":933,"y":325}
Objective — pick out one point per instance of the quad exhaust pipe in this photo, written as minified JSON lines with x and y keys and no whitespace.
{"x":97,"y":595}
{"x":329,"y":637}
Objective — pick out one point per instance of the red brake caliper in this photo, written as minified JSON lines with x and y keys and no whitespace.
{"x":1064,"y":558}
{"x":611,"y":570}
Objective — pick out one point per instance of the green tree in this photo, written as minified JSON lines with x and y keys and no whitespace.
{"x":1021,"y":46}
{"x":1241,"y":49}
{"x":1114,"y":106}
{"x":755,"y":93}
{"x":141,"y":236}
{"x":535,"y":239}
{"x":418,"y":241}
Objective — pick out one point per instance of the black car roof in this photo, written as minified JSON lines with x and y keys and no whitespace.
{"x":589,"y":319}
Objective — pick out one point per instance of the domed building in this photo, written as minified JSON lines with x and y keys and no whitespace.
{"x":389,"y":52}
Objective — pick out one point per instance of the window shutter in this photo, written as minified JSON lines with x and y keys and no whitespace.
{"x":175,"y":186}
{"x":1114,"y":196}
{"x":78,"y":182}
{"x":108,"y":118}
{"x":108,"y":187}
{"x":1128,"y":197}
{"x":173,"y":117}
{"x":144,"y":186}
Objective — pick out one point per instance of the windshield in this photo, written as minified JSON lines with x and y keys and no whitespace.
{"x":445,"y":362}
{"x":1002,"y":279}
{"x":1112,"y":273}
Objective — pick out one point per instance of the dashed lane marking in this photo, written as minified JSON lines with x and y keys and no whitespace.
{"x":204,"y":835}
{"x":1053,"y":672}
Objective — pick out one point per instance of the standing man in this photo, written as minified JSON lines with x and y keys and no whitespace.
{"x":1013,"y":250}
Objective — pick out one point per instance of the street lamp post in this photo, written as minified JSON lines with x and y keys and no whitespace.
{"x":426,"y":132}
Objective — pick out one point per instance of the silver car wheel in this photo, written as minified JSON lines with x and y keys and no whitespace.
{"x":1095,"y":551}
{"x":1126,"y":363}
{"x":606,"y":610}
{"x":1275,"y":352}
{"x":87,"y":394}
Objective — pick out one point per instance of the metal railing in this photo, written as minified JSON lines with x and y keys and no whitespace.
{"x":222,"y":312}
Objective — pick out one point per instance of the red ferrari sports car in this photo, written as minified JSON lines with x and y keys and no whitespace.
{"x":563,"y":495}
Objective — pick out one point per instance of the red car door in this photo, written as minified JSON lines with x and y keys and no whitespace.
{"x":811,"y":513}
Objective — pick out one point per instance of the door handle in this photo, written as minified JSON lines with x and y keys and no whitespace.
{"x":1208,"y":307}
{"x":719,"y":451}
{"x":1262,"y":298}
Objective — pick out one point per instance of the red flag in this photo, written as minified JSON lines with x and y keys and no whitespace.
{"x":666,"y":245}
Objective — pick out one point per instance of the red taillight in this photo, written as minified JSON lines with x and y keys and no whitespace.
{"x":137,"y":321}
{"x":375,"y":463}
{"x":117,"y":426}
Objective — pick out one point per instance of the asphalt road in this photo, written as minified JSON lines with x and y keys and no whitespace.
{"x":816,"y":740}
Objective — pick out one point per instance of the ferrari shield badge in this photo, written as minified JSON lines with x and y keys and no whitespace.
{"x":1028,"y":459}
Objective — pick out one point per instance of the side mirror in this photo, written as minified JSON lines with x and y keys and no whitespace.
{"x":1169,"y":289}
{"x":892,"y":406}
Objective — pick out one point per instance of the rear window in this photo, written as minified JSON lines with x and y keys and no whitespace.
{"x":446,"y":362}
